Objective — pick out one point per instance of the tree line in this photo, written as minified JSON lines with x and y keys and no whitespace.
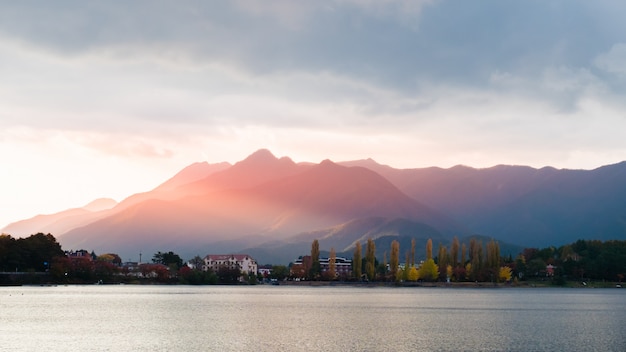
{"x":477,"y":262}
{"x":39,"y":259}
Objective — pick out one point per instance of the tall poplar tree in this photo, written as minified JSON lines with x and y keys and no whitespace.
{"x":394,"y":259}
{"x":332,"y":265}
{"x":442,"y":261}
{"x":370,"y":259}
{"x":428,"y":270}
{"x":493,"y":255}
{"x":454,"y":252}
{"x":412,"y":253}
{"x":407,"y":267}
{"x":463,"y":251}
{"x":429,"y":249}
{"x":356,"y":261}
{"x":315,"y":260}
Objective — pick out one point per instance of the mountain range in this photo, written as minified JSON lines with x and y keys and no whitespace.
{"x":273,"y":208}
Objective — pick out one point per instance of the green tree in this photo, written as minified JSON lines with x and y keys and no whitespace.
{"x":196,"y":262}
{"x":356,"y":261}
{"x":36,"y":252}
{"x":169,"y":259}
{"x":370,"y":259}
{"x":394,"y":259}
{"x":10,"y":256}
{"x":279,"y":272}
{"x":228,"y":275}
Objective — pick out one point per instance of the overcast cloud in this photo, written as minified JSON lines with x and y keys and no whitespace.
{"x":118,"y":96}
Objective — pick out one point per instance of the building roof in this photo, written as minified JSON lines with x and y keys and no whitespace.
{"x":238,"y":257}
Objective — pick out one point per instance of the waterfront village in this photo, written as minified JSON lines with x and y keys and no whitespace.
{"x":39,"y":259}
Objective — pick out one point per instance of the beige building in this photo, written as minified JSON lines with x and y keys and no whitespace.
{"x":244,"y":262}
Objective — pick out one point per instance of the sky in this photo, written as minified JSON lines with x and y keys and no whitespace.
{"x":107,"y":99}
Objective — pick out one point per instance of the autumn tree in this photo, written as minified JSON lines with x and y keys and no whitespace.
{"x":442,"y":260}
{"x":463,"y":251}
{"x":413,"y":274}
{"x":429,"y":271}
{"x":505,"y":274}
{"x":412,"y":253}
{"x":407,"y":267}
{"x":316,"y":269}
{"x":492,"y":260}
{"x":356,"y":261}
{"x":454,"y":252}
{"x":394,"y":259}
{"x":493,"y":255}
{"x":332,"y":266}
{"x":429,"y":249}
{"x":370,"y":259}
{"x":475,"y":258}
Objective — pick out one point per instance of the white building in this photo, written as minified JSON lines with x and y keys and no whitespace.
{"x":244,"y":262}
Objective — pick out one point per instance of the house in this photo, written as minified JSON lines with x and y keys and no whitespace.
{"x":80,"y":254}
{"x":244,"y":262}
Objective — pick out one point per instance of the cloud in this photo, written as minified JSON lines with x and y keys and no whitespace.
{"x":613,"y":61}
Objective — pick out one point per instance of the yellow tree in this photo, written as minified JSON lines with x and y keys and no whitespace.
{"x":468,"y":271}
{"x":413,"y":274}
{"x":449,"y":271}
{"x":505,"y":274}
{"x":429,"y":271}
{"x":394,"y":259}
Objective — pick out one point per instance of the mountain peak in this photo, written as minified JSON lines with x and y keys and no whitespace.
{"x":263,"y":158}
{"x":261,"y":155}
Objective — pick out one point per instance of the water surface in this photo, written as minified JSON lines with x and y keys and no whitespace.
{"x":288,"y":318}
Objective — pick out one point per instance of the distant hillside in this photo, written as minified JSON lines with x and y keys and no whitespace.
{"x":519,"y":204}
{"x":59,"y":222}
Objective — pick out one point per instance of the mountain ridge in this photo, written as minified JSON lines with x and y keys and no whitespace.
{"x":264,"y":201}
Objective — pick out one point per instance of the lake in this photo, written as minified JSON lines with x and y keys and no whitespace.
{"x":288,"y":318}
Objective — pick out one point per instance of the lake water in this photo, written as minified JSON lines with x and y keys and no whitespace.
{"x":289,"y":318}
